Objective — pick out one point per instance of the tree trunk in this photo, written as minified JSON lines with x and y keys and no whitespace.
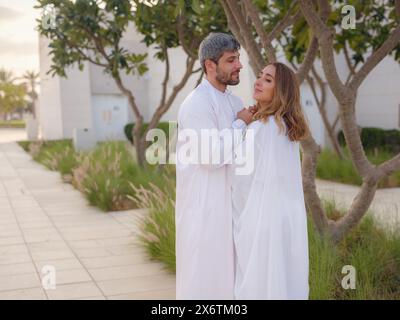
{"x":321,"y":103}
{"x":140,"y":147}
{"x":310,"y":154}
{"x":358,"y":209}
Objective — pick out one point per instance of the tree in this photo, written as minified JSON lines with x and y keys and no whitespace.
{"x":6,"y":76}
{"x":372,"y":27}
{"x":92,"y":31}
{"x":31,"y":78}
{"x":12,"y":95}
{"x":260,"y":26}
{"x":346,"y":95}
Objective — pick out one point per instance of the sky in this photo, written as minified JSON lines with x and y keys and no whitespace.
{"x":18,"y":39}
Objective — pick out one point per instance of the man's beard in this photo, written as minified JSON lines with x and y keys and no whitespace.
{"x":226,"y":78}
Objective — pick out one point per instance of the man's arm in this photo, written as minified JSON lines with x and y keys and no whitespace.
{"x":219,"y":151}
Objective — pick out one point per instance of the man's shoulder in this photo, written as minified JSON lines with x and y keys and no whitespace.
{"x":199,"y":93}
{"x":198,"y":97}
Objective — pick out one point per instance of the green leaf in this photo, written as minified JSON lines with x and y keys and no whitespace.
{"x":196,"y":6}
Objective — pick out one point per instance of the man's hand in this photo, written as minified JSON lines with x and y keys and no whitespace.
{"x":246,"y":115}
{"x":253,"y":109}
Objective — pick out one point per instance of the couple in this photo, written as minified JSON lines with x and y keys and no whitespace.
{"x":242,"y":236}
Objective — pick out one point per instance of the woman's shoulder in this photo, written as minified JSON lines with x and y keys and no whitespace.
{"x":269,"y":123}
{"x":273,"y":126}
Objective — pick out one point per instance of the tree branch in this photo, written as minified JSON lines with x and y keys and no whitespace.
{"x":181,"y":36}
{"x":349,"y":64}
{"x":236,"y":31}
{"x":312,"y":50}
{"x":265,"y":39}
{"x":390,"y":166}
{"x":129,"y":95}
{"x":286,"y":21}
{"x":308,"y":61}
{"x":166,"y":76}
{"x":325,"y":39}
{"x":390,"y":43}
{"x":309,"y":165}
{"x":197,"y":70}
{"x":200,"y":78}
{"x":357,"y":210}
{"x":80,"y":51}
{"x":162,"y":109}
{"x":247,"y":36}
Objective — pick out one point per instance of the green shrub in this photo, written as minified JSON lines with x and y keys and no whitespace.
{"x":372,"y":251}
{"x":331,"y":167}
{"x":56,"y":155}
{"x":377,"y":138}
{"x":103,"y":174}
{"x":164,"y":126}
{"x":158,"y":225}
{"x":108,"y":172}
{"x":12,"y":124}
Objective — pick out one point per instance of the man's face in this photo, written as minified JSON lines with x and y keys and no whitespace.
{"x":228,"y":68}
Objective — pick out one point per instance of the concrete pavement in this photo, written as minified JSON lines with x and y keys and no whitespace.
{"x":45,"y":223}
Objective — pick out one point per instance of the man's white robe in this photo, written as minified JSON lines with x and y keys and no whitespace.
{"x":204,"y":239}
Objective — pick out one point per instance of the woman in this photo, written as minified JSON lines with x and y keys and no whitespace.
{"x":270,"y":225}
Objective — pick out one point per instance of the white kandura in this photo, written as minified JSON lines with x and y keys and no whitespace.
{"x":204,"y":239}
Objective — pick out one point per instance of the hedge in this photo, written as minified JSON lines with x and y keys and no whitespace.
{"x":164,"y":126}
{"x":377,"y":138}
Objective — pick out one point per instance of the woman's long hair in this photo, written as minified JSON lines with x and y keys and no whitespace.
{"x":285,"y":104}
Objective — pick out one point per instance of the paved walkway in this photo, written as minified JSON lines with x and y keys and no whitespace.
{"x":45,"y":222}
{"x":12,"y":134}
{"x":385,"y":206}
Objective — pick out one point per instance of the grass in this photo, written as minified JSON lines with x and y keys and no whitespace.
{"x":372,"y":251}
{"x":330,"y":167}
{"x":158,"y":226}
{"x":56,"y":155}
{"x":103,"y":175}
{"x":111,"y":180}
{"x":12,"y":124}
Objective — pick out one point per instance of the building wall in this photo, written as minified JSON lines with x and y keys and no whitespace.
{"x":378,"y":100}
{"x":49,"y":107}
{"x":76,"y":101}
{"x":378,"y":103}
{"x":104,"y":84}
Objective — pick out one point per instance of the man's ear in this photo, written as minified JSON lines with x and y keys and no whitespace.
{"x":209,"y":64}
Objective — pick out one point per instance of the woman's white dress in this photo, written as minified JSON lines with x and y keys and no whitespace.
{"x":270,"y":224}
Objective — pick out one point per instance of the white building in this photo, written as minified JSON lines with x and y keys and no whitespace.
{"x":90,"y":99}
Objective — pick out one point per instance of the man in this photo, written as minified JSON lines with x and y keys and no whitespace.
{"x":204,"y":239}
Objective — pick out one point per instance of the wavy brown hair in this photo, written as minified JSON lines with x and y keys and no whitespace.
{"x":285,"y":104}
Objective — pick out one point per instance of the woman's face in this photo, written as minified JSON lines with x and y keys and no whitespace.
{"x":264,"y":85}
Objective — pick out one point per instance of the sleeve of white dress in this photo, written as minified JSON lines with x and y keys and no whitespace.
{"x":222,"y":143}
